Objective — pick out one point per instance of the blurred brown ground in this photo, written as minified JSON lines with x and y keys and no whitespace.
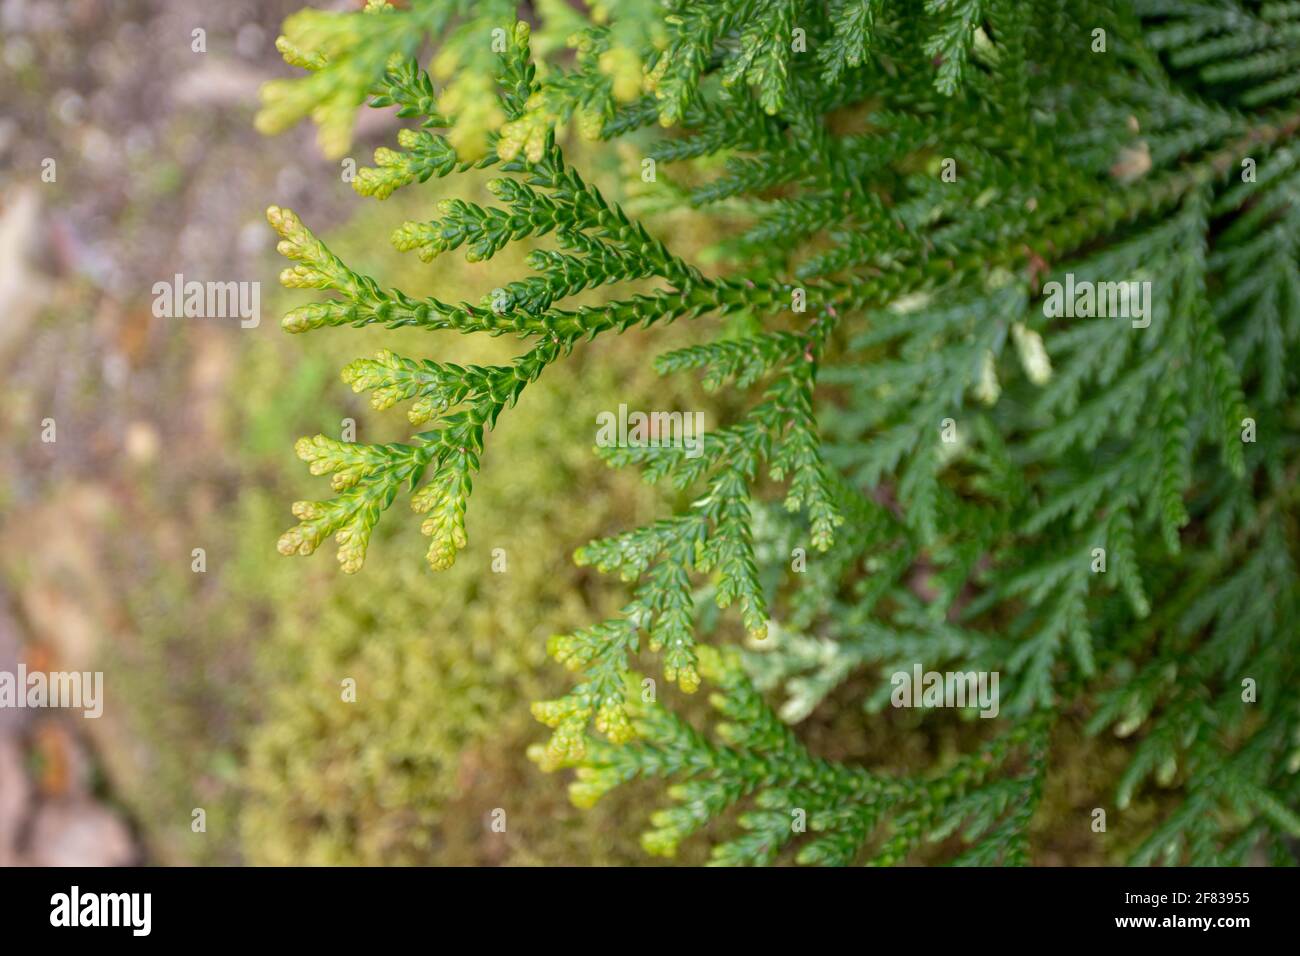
{"x":158,"y":171}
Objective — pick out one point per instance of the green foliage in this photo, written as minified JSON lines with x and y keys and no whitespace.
{"x":1102,"y":514}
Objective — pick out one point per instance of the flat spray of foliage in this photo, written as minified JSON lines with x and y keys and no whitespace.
{"x":946,"y":455}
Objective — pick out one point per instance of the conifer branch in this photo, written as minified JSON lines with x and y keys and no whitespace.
{"x":1095,"y":507}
